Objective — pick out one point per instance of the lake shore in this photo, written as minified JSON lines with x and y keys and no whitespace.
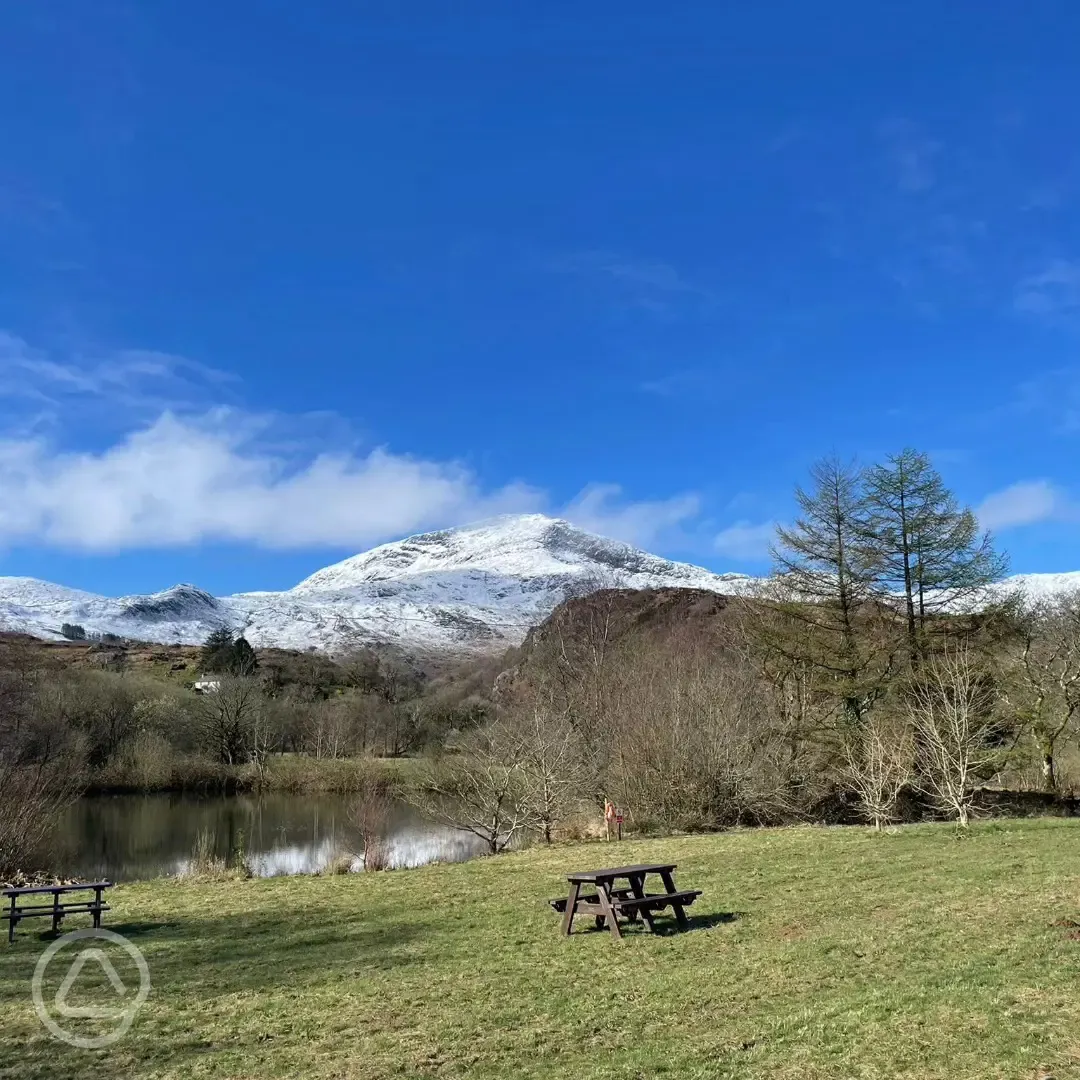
{"x":816,"y":953}
{"x":295,"y":773}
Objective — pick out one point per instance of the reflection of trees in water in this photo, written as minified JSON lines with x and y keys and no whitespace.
{"x":126,"y":837}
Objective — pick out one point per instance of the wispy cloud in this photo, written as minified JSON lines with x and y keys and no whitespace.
{"x":1047,"y":196}
{"x":678,"y":384}
{"x":1052,"y":397}
{"x":124,"y":381}
{"x":601,"y":508}
{"x":911,"y":155}
{"x":1052,"y":293}
{"x":746,"y":541}
{"x":653,"y":285}
{"x":1026,"y":503}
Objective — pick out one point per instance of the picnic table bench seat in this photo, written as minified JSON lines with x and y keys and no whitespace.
{"x":57,"y":908}
{"x":559,"y":902}
{"x":656,"y":901}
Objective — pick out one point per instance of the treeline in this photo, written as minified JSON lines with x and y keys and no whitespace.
{"x":282,"y":721}
{"x":880,"y":671}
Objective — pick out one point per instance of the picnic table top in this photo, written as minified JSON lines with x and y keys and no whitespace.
{"x":620,"y":871}
{"x":57,"y":888}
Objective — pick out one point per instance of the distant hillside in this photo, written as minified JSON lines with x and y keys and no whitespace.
{"x":585,"y":631}
{"x":473,"y":590}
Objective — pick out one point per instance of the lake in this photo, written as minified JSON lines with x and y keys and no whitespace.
{"x":130,"y":837}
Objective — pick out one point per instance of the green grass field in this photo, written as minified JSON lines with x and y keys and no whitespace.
{"x":815,"y":953}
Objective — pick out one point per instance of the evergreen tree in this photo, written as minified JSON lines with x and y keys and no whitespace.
{"x":823,"y":591}
{"x":928,"y":550}
{"x":217,"y":651}
{"x":225,"y":655}
{"x":244,"y":660}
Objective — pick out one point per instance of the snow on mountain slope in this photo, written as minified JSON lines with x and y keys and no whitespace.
{"x":475,"y":588}
{"x":1043,"y":586}
{"x":478,"y":588}
{"x":182,"y":613}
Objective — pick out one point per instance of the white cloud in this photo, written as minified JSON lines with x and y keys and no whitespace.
{"x":746,"y":541}
{"x":1025,"y":503}
{"x":599,"y":510}
{"x":184,"y":480}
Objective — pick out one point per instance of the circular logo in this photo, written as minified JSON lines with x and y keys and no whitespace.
{"x":114,"y":1013}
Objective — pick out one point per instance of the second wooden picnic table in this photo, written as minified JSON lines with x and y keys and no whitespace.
{"x":611,"y":901}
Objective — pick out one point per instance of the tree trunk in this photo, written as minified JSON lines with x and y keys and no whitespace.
{"x":1049,"y":771}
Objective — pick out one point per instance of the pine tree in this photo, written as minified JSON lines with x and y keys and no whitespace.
{"x":928,"y":550}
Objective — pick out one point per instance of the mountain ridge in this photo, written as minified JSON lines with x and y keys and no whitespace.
{"x":475,"y":588}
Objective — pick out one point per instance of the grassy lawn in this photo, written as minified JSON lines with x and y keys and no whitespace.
{"x":913,"y":954}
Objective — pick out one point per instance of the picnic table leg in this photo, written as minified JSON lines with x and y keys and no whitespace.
{"x":57,"y":914}
{"x":97,"y":909}
{"x":11,"y":923}
{"x":604,"y":898}
{"x":571,"y":905}
{"x":680,"y":914}
{"x":637,"y":887}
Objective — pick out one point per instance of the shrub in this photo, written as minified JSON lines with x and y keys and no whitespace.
{"x":370,"y":813}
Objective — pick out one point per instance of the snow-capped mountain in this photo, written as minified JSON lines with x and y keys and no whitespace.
{"x":476,"y":588}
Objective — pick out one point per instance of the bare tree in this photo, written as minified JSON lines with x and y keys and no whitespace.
{"x":328,"y":728}
{"x":370,"y":814}
{"x":695,"y":741}
{"x":1043,"y":678}
{"x":482,"y":790}
{"x":553,"y":758}
{"x":878,"y":762}
{"x":41,"y":761}
{"x":230,"y":720}
{"x":952,"y":709}
{"x":569,"y":665}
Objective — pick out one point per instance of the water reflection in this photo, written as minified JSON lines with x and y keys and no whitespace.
{"x":128,"y":837}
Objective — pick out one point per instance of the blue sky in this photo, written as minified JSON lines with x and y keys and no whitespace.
{"x":279,"y":282}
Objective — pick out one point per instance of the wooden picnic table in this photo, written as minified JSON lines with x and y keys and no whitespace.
{"x":57,"y":909}
{"x":609,"y":901}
